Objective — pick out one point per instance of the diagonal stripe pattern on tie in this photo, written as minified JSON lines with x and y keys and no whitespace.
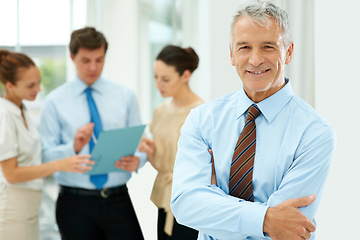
{"x":240,"y":181}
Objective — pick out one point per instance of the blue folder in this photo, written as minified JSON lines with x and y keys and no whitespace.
{"x":112,"y":145}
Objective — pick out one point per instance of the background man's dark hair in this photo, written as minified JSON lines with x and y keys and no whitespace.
{"x":88,"y":38}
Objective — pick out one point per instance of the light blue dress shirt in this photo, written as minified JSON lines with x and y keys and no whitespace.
{"x":294,"y":148}
{"x":66,"y":109}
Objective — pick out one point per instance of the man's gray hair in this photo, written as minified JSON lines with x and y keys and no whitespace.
{"x":262,"y":12}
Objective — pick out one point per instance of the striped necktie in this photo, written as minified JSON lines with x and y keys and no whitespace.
{"x":240,"y":181}
{"x":100,"y":179}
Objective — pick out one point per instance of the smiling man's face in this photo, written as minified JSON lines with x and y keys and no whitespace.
{"x":259,"y":56}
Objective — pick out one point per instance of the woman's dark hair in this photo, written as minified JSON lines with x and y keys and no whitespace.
{"x":10,"y":65}
{"x":88,"y":38}
{"x":181,"y":58}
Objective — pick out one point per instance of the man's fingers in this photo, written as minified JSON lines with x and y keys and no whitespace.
{"x":125,"y":160}
{"x":86,"y":129}
{"x":310,"y":226}
{"x":89,"y":125}
{"x":128,"y":159}
{"x":306,"y":234}
{"x":303,"y":201}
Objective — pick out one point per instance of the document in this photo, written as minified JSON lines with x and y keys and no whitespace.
{"x":112,"y":145}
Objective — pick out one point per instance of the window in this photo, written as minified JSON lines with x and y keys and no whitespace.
{"x":164,"y":28}
{"x":41,"y":29}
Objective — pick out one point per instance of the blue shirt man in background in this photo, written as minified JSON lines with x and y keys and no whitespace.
{"x":294,"y":145}
{"x":84,"y":211}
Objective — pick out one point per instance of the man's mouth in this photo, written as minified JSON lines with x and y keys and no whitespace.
{"x":259,"y":72}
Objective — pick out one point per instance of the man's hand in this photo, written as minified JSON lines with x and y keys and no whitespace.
{"x":286,"y":222}
{"x":128,"y":163}
{"x":83,"y":136}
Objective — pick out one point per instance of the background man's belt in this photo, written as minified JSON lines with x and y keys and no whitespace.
{"x":104,"y":193}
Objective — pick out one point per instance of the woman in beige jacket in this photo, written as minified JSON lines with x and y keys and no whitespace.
{"x":173,"y":69}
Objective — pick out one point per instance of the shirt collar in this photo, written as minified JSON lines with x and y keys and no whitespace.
{"x":12,"y":107}
{"x":79,"y":86}
{"x":269,"y":107}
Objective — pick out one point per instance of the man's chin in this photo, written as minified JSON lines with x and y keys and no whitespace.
{"x":258,"y":88}
{"x":90,"y":81}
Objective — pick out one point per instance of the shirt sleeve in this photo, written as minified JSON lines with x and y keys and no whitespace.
{"x":205,"y":207}
{"x":8,"y":139}
{"x":134,"y":119}
{"x":50,"y":133}
{"x":309,"y":170}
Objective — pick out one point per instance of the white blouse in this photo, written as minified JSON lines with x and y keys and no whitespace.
{"x":18,"y":141}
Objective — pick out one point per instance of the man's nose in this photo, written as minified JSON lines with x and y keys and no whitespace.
{"x":256,"y":57}
{"x":92,"y":66}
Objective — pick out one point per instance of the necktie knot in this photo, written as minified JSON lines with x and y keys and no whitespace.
{"x":253,"y":113}
{"x":88,"y":91}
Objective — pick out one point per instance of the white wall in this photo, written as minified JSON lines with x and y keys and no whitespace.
{"x":337,"y":92}
{"x":215,"y":76}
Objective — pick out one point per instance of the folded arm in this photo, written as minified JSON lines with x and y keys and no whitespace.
{"x":211,"y":210}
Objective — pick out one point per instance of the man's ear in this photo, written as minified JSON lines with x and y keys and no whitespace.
{"x":72,"y":56}
{"x":289,"y":53}
{"x":231,"y":56}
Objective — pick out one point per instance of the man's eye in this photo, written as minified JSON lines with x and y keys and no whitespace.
{"x":269,"y":47}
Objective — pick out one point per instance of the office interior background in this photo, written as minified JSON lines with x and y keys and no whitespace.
{"x":323,"y":72}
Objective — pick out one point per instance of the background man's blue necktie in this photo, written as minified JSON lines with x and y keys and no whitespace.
{"x":100,"y":179}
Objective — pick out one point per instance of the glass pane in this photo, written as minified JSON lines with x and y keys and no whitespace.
{"x":8,"y":23}
{"x":164,"y":28}
{"x":51,"y":61}
{"x":79,"y":14}
{"x":53,"y":73}
{"x":44,"y":22}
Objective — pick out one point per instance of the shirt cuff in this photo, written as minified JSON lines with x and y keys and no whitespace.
{"x":252,"y":219}
{"x":142,"y":159}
